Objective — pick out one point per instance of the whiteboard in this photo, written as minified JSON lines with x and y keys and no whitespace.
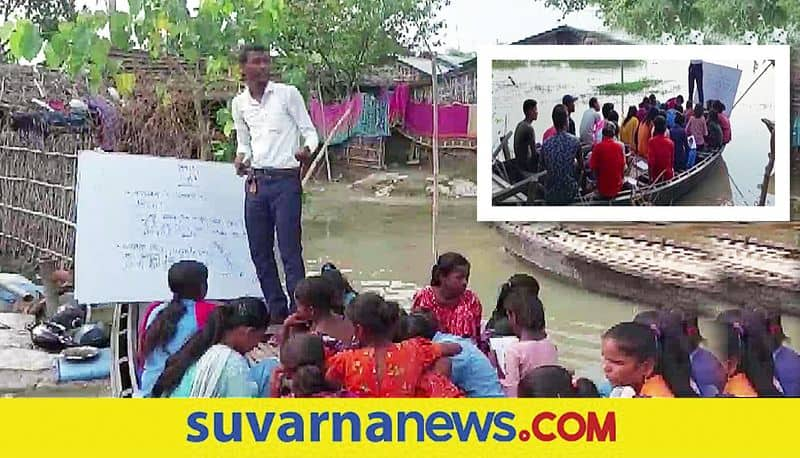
{"x":720,"y":83}
{"x":137,"y":215}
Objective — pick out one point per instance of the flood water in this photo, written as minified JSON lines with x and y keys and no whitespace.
{"x":393,"y":242}
{"x":736,"y":181}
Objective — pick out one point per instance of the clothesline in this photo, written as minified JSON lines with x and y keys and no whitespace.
{"x":373,"y":116}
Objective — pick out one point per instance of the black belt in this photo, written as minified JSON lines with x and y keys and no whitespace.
{"x":276,"y":173}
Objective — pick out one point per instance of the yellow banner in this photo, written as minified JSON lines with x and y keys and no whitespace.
{"x":361,"y":428}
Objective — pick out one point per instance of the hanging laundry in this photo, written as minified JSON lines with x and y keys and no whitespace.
{"x":374,"y":119}
{"x":398,"y":103}
{"x":472,"y":124}
{"x":453,"y":120}
{"x":333,"y":113}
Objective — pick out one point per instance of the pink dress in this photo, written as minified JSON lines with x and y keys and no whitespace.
{"x":698,"y":128}
{"x":525,"y":356}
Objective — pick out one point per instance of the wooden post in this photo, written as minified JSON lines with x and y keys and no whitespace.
{"x":435,"y":209}
{"x":319,"y":157}
{"x":47,"y":266}
{"x":322,"y":106}
{"x":622,"y":80}
{"x":770,"y":163}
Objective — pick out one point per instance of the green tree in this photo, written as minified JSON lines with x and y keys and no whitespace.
{"x":45,"y":14}
{"x":720,"y":20}
{"x":340,"y":39}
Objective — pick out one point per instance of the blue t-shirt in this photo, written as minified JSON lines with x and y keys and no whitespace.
{"x":157,"y":359}
{"x":707,"y":372}
{"x":787,"y":370}
{"x":471,"y":369}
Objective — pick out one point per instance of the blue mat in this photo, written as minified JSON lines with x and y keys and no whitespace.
{"x":75,"y":371}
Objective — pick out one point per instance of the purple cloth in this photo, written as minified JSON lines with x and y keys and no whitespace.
{"x":707,"y":372}
{"x":787,"y":370}
{"x":109,"y":122}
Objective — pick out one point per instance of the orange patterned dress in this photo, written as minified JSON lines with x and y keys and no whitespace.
{"x":463,"y":320}
{"x":435,"y":385}
{"x":406,"y":362}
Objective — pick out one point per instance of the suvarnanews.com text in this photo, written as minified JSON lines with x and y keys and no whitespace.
{"x":376,"y":426}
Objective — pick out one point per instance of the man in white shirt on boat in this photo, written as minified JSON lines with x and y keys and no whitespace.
{"x":590,"y":117}
{"x":270,"y":117}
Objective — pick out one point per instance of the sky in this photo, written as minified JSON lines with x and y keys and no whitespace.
{"x":471,"y":24}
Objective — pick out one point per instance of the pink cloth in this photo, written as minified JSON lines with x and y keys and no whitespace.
{"x":453,"y":120}
{"x":698,"y":128}
{"x":548,"y":133}
{"x":522,"y":357}
{"x":725,"y":123}
{"x":398,"y":104}
{"x":334,"y":112}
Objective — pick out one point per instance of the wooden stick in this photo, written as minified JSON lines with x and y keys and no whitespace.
{"x":322,"y":105}
{"x":770,"y":163}
{"x":319,"y":157}
{"x":47,"y":266}
{"x":435,"y":140}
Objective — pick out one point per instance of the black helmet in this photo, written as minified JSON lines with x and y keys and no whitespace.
{"x":70,"y":316}
{"x":94,"y":335}
{"x":50,"y":336}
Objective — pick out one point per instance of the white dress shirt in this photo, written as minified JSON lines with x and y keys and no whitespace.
{"x":268,"y":131}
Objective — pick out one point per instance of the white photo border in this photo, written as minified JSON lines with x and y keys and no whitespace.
{"x":780,"y":211}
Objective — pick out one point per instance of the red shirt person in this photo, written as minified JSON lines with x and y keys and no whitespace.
{"x":608,"y":163}
{"x":457,"y":309}
{"x":661,"y":156}
{"x":724,"y":122}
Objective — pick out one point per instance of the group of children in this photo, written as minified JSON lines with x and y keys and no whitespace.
{"x":342,"y":344}
{"x":709,"y":126}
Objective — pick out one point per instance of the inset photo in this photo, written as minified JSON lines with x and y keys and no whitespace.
{"x":633,"y":133}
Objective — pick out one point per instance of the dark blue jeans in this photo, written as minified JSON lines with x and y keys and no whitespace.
{"x":275,"y":205}
{"x":696,"y":74}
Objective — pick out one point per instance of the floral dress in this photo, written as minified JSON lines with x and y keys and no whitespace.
{"x":405,"y":364}
{"x":463,"y":320}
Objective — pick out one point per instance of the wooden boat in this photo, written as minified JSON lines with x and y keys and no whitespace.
{"x":511,"y":187}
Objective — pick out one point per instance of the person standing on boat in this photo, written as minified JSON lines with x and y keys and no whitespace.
{"x":590,"y":117}
{"x":678,"y":135}
{"x":696,"y":126}
{"x":569,"y":102}
{"x":628,"y":131}
{"x":724,"y":121}
{"x":696,"y":75}
{"x":608,"y":163}
{"x":661,"y":151}
{"x":525,"y":155}
{"x":559,"y":153}
{"x":269,"y":119}
{"x":714,"y":137}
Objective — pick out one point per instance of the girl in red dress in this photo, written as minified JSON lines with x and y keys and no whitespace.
{"x":457,"y":309}
{"x":382,"y":368}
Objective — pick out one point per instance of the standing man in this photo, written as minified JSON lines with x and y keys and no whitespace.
{"x":525,"y":156}
{"x":569,"y":103}
{"x":558,"y":157}
{"x":695,"y":74}
{"x":590,"y":117}
{"x":269,"y":119}
{"x":608,"y":163}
